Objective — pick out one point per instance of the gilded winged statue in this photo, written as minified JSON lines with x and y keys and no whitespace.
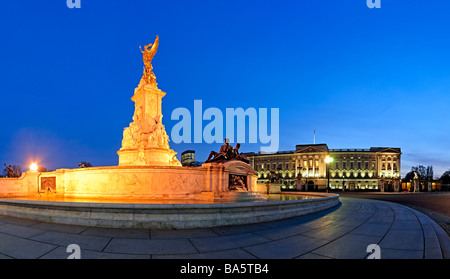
{"x":148,"y":53}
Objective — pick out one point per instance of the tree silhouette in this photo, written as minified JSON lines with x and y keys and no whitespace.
{"x":445,"y":178}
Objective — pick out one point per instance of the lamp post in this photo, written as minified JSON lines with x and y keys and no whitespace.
{"x":328,"y":160}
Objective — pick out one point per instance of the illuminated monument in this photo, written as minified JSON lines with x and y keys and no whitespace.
{"x":149,"y":188}
{"x":145,"y":142}
{"x":148,"y":168}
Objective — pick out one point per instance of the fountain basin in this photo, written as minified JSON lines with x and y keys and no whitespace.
{"x":164,"y":215}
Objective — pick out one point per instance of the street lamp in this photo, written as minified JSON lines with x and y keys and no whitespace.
{"x":328,"y":160}
{"x":33,"y":167}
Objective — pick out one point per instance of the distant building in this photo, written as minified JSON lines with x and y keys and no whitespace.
{"x":188,"y":158}
{"x":377,"y":168}
{"x":84,"y":164}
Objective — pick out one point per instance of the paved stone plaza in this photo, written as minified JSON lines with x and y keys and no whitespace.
{"x":343,"y":232}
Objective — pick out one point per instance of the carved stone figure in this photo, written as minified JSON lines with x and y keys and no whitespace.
{"x":237,"y":183}
{"x":158,"y":136}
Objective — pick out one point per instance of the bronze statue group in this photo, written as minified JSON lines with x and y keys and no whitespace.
{"x":11,"y":172}
{"x":226,"y":153}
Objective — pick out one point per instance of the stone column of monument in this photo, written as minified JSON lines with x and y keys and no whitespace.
{"x":145,"y":141}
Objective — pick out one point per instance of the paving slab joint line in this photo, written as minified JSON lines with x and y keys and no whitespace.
{"x":43,"y":255}
{"x":423,"y":234}
{"x":388,"y":230}
{"x":302,"y":233}
{"x":392,"y":204}
{"x":250,"y":252}
{"x":106,"y":245}
{"x":312,"y":251}
{"x":360,"y":208}
{"x":193,"y":245}
{"x":443,"y":239}
{"x":441,"y":236}
{"x":273,"y":240}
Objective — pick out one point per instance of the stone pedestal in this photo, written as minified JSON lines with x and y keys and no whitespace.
{"x":299,"y":184}
{"x":147,"y":157}
{"x":145,"y":142}
{"x":232,"y":180}
{"x":274,"y":188}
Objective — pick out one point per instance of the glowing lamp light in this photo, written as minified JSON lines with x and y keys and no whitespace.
{"x":33,"y":167}
{"x":329,"y":159}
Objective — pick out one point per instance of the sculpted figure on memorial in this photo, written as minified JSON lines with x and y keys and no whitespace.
{"x":148,"y":53}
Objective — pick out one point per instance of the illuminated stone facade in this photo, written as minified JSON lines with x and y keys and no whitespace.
{"x":377,"y":168}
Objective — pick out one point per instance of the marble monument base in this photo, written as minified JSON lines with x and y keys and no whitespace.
{"x":155,"y":156}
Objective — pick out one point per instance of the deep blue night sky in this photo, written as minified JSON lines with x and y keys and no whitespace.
{"x":361,"y":77}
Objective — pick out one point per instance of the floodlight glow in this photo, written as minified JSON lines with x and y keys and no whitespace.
{"x":33,"y":167}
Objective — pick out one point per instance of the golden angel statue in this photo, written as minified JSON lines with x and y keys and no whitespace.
{"x":148,"y":53}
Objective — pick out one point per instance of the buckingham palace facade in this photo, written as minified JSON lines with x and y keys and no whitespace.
{"x":373,"y":169}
